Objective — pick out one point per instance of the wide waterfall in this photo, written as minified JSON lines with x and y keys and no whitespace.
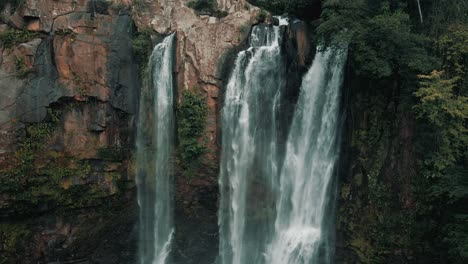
{"x":249,"y":159}
{"x":154,"y":156}
{"x":301,"y":233}
{"x":274,"y":203}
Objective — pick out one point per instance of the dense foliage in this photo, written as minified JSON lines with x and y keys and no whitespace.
{"x":415,"y":62}
{"x":305,"y":9}
{"x":202,"y":5}
{"x":191,"y":122}
{"x":443,"y":110}
{"x":142,"y":46}
{"x":99,"y":6}
{"x":207,"y":7}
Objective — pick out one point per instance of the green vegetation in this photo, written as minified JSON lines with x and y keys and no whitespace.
{"x":191,"y":117}
{"x":142,"y":47}
{"x":22,"y":68}
{"x":447,"y":113}
{"x":71,"y":169}
{"x":220,"y":13}
{"x":381,"y":41}
{"x":65,"y":32}
{"x":82,"y":91}
{"x":305,"y":9}
{"x":261,"y":16}
{"x":11,"y":239}
{"x":35,"y":176}
{"x":396,"y":209}
{"x":36,"y":135}
{"x":112,"y":154}
{"x":208,"y":6}
{"x":442,"y":109}
{"x":18,"y":175}
{"x":13,"y":37}
{"x":99,"y":6}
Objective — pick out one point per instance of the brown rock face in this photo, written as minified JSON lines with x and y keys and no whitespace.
{"x":85,"y":56}
{"x":68,"y":98}
{"x":81,"y":56}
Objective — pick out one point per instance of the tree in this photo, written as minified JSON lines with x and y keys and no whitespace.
{"x":447,"y":113}
{"x":380,"y":37}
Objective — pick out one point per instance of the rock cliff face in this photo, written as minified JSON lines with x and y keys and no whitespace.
{"x":69,"y":93}
{"x":69,"y":90}
{"x":375,"y":196}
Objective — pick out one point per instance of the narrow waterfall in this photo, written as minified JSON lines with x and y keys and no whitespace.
{"x":154,"y":155}
{"x":249,"y":159}
{"x":301,"y":235}
{"x":420,"y":11}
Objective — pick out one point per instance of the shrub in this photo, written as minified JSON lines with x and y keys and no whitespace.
{"x":25,"y":155}
{"x":12,"y":37}
{"x":22,"y":69}
{"x":261,"y":17}
{"x":64,"y":32}
{"x":58,"y":172}
{"x":99,"y":6}
{"x":112,"y":154}
{"x":220,"y":13}
{"x":203,"y":5}
{"x":207,"y":7}
{"x":142,"y":46}
{"x":191,"y":116}
{"x":305,"y":9}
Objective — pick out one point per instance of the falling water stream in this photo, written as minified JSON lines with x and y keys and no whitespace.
{"x":154,"y":154}
{"x":273,"y":200}
{"x":274,"y":203}
{"x":309,"y":163}
{"x":249,"y":159}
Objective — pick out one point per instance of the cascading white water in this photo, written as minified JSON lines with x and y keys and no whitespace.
{"x":249,"y":159}
{"x":311,"y":154}
{"x":154,"y":155}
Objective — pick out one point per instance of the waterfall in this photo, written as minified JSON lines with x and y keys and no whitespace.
{"x":249,"y":158}
{"x":301,"y":235}
{"x":275,"y":206}
{"x":420,"y":12}
{"x":154,"y":155}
